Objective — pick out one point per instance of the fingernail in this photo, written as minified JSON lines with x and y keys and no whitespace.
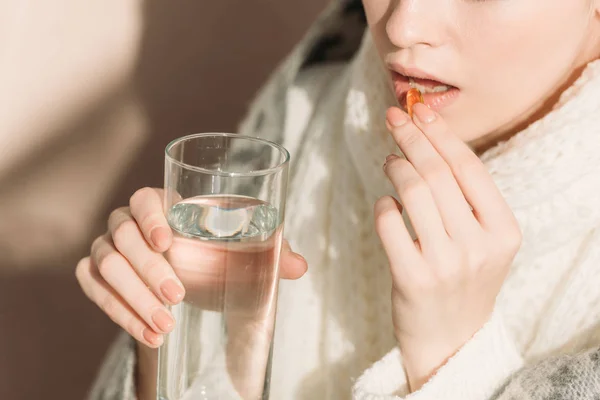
{"x":163,"y":320}
{"x":152,"y":337}
{"x":396,"y":117}
{"x":424,"y":114}
{"x":173,"y":291}
{"x":159,"y":237}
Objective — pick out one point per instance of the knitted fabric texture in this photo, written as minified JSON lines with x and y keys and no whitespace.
{"x":334,"y":334}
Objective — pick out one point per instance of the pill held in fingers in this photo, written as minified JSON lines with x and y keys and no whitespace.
{"x":413,"y":96}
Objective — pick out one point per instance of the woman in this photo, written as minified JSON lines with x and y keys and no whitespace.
{"x":493,"y":248}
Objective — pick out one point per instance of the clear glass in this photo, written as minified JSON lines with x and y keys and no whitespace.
{"x":225,"y":202}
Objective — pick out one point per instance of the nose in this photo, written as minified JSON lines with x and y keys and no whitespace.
{"x":415,"y":22}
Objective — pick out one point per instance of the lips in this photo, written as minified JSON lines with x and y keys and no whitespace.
{"x":436,"y":94}
{"x":428,"y":85}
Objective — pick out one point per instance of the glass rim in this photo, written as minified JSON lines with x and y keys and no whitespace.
{"x":259,"y":172}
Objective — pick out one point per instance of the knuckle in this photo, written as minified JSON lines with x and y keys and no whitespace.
{"x":151,"y":269}
{"x":413,"y":190}
{"x":512,"y":241}
{"x":96,"y":244}
{"x":409,"y":138}
{"x":477,"y":259}
{"x":82,"y":274}
{"x":515,"y":237}
{"x":426,"y":283}
{"x":118,"y":215}
{"x":515,"y":245}
{"x":81,"y":268}
{"x":466,"y":166}
{"x":449,"y":261}
{"x":507,"y":241}
{"x":124,"y":232}
{"x":140,"y":196}
{"x":382,"y":205}
{"x":385,"y":209}
{"x":110,"y":307}
{"x":114,"y":214}
{"x":381,"y":223}
{"x":108,"y":263}
{"x":449,"y":265}
{"x":450,"y":275}
{"x":436,"y":173}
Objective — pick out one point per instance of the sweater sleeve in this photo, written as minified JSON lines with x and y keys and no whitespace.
{"x":573,"y":377}
{"x":473,"y":373}
{"x":116,"y":378}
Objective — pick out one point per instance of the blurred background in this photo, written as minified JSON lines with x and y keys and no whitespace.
{"x":90,"y":93}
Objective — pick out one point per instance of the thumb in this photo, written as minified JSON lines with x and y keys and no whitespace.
{"x":293,"y":265}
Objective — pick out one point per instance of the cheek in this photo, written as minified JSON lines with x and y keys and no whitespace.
{"x":523,"y":60}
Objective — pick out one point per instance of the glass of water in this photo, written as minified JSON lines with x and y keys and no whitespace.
{"x":225,"y":202}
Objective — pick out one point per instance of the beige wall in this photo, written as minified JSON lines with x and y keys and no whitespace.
{"x":134,"y":74}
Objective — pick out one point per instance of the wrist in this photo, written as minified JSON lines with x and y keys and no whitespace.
{"x":422,"y":360}
{"x":429,"y":339}
{"x":424,"y":355}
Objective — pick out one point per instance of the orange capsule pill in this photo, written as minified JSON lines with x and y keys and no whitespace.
{"x":413,"y":96}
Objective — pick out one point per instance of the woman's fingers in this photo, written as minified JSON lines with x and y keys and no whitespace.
{"x":478,"y":187}
{"x":98,"y":291}
{"x":394,"y":235}
{"x":121,"y":277}
{"x":429,"y":164}
{"x":147,"y":209}
{"x":293,"y":265}
{"x":418,"y":201}
{"x":150,"y":265}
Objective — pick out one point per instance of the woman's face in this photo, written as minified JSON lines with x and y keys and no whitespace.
{"x":506,"y":60}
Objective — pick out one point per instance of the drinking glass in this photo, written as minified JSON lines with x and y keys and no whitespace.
{"x":225,"y":202}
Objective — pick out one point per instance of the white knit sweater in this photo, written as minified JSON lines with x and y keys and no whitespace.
{"x":334,"y":335}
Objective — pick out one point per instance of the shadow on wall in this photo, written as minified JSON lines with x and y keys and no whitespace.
{"x":202,"y":62}
{"x":199,"y":65}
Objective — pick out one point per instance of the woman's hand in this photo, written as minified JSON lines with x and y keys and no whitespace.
{"x":128,"y":277}
{"x":445,"y":283}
